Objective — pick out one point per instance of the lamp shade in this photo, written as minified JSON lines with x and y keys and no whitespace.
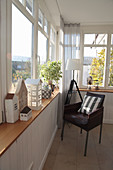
{"x":73,"y":64}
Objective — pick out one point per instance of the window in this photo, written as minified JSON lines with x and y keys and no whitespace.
{"x":72,"y":42}
{"x":40,"y":18}
{"x":96,"y":58}
{"x":42,"y":48}
{"x":110,"y":80}
{"x":45,"y":25}
{"x":52,"y":44}
{"x":21,"y":46}
{"x":28,"y":4}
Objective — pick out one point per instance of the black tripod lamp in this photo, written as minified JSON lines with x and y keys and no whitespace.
{"x":73,"y":64}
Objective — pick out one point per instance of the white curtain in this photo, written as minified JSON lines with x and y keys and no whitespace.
{"x":69,"y":46}
{"x":71,"y":49}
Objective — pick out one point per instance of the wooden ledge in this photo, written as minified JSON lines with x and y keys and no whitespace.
{"x":100,"y":90}
{"x":9,"y":132}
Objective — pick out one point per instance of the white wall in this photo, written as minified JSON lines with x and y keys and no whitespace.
{"x":32,"y":146}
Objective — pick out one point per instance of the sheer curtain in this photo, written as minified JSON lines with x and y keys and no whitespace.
{"x":69,"y":44}
{"x":71,"y":49}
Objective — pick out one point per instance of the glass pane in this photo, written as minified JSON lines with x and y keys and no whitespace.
{"x":112,"y":39}
{"x":52,"y":35}
{"x":29,"y":6}
{"x":110,"y":82}
{"x":22,"y":1}
{"x":21,"y":46}
{"x":94,"y":63}
{"x":52,"y":52}
{"x":67,"y":53}
{"x":61,"y":36}
{"x":45,"y":25}
{"x":66,"y":39}
{"x":95,"y":39}
{"x":40,"y":18}
{"x":73,"y":52}
{"x":42,"y":47}
{"x":73,"y":39}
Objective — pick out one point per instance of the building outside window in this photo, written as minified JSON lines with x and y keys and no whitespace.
{"x":21,"y":46}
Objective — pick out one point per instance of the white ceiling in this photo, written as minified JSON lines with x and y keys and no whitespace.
{"x":82,"y":11}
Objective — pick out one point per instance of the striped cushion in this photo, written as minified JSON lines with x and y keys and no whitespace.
{"x":90,"y":104}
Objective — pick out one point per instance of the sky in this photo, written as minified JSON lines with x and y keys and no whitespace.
{"x":21,"y":28}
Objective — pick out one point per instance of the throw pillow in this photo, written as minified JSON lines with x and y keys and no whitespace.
{"x":89,"y":104}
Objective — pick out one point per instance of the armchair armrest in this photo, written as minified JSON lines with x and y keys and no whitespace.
{"x":72,"y":107}
{"x":97,"y":113}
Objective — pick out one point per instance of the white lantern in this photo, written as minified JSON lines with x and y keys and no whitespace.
{"x":34,"y":88}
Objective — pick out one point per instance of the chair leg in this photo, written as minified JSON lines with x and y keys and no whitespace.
{"x":100,"y":133}
{"x":85,"y":151}
{"x":62,"y":133}
{"x":81,"y":131}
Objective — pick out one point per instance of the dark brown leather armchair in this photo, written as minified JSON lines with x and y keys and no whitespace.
{"x":82,"y":120}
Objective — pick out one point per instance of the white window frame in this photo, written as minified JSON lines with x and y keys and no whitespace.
{"x":41,"y":29}
{"x":96,"y":30}
{"x":34,"y":20}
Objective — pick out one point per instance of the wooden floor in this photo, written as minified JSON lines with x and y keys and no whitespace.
{"x":68,"y":154}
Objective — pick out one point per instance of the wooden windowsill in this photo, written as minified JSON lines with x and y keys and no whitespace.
{"x":100,"y":90}
{"x":9,"y":132}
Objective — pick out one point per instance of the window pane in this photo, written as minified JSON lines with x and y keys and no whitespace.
{"x":45,"y":25}
{"x":66,"y":39}
{"x":95,"y":39}
{"x":94,"y":63}
{"x":21,"y":46}
{"x":112,"y":39}
{"x":42,"y":47}
{"x":110,"y":83}
{"x":52,"y":52}
{"x":73,"y":39}
{"x":52,"y":35}
{"x":67,"y":53}
{"x":40,"y":18}
{"x":29,"y":6}
{"x":22,"y":1}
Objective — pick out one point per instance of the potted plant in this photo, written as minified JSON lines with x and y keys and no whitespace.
{"x":51,"y":71}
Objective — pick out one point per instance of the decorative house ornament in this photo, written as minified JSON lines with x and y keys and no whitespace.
{"x":21,"y":92}
{"x":26,"y":114}
{"x":11,"y":108}
{"x":34,"y":87}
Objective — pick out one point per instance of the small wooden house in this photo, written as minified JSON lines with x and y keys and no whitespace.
{"x":21,"y":92}
{"x":34,"y":87}
{"x":11,"y":108}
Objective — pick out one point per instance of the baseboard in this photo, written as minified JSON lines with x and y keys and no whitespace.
{"x":107,"y":121}
{"x":48,"y":148}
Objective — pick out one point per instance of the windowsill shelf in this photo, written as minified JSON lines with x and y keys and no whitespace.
{"x":10,"y":132}
{"x":99,"y":90}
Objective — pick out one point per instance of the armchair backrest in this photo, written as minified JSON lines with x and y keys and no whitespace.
{"x":102,"y":96}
